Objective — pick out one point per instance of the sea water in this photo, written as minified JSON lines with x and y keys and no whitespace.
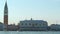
{"x":29,"y":32}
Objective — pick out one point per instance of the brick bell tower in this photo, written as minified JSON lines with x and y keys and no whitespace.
{"x":5,"y":16}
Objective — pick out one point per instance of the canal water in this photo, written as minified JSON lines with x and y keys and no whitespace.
{"x":29,"y":32}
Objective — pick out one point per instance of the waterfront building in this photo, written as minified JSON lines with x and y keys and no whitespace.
{"x":33,"y":25}
{"x":55,"y":27}
{"x":12,"y":27}
{"x":1,"y":26}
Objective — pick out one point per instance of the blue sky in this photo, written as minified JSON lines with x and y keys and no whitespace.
{"x":48,"y":10}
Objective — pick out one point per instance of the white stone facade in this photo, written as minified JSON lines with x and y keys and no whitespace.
{"x":33,"y":25}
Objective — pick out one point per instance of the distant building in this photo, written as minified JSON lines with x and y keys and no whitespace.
{"x":55,"y":27}
{"x":33,"y":25}
{"x":12,"y":27}
{"x":1,"y":26}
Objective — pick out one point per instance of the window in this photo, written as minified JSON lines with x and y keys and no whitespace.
{"x":40,"y":24}
{"x":22,"y":24}
{"x":25,"y":23}
{"x":29,"y":23}
{"x":36,"y":24}
{"x":32,"y":24}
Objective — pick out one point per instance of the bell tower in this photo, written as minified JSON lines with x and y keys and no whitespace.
{"x":5,"y":16}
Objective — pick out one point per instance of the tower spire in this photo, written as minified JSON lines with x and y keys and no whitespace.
{"x":5,"y":5}
{"x":6,"y":2}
